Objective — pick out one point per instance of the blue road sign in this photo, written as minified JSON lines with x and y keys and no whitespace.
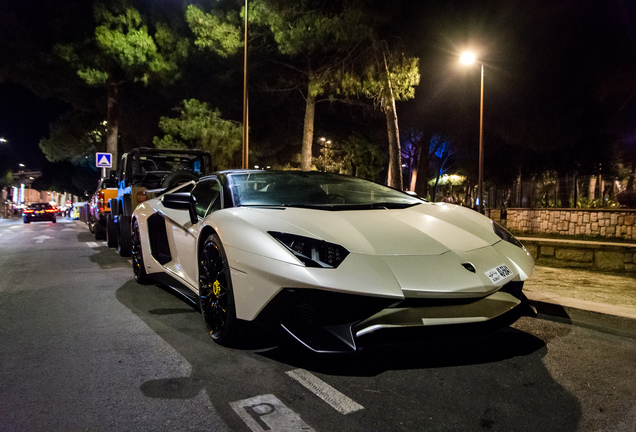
{"x":103,"y":160}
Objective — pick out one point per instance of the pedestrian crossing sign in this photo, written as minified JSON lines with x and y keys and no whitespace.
{"x":104,"y":160}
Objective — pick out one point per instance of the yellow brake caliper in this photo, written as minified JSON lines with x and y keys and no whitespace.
{"x":216,"y":288}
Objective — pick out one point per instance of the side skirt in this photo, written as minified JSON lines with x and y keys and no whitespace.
{"x":176,"y":286}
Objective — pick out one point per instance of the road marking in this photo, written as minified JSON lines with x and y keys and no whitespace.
{"x":325,"y":392}
{"x":92,"y":244}
{"x":16,"y":226}
{"x":267,"y":413}
{"x":40,"y":239}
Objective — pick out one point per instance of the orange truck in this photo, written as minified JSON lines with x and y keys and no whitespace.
{"x":99,"y":206}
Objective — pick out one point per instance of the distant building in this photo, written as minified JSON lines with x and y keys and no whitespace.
{"x":21,"y":194}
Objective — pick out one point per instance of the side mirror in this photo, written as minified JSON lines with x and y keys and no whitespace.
{"x":181,"y":201}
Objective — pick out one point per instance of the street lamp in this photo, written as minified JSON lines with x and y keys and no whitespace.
{"x":325,"y":143}
{"x":246,"y":145}
{"x":469,"y":58}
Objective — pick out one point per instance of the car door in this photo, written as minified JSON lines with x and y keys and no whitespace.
{"x":183,"y":234}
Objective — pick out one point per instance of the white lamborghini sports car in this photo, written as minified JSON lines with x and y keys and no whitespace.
{"x":336,"y":262}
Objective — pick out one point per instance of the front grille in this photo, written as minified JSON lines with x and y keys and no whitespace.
{"x":310,"y":308}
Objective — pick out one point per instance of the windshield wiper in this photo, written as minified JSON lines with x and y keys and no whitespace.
{"x":391,"y":206}
{"x":268,"y":206}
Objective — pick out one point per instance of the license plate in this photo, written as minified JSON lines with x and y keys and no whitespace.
{"x":498,"y":273}
{"x":39,"y":212}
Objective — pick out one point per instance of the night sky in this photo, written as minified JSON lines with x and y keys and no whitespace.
{"x":24,"y":120}
{"x":536,"y":53}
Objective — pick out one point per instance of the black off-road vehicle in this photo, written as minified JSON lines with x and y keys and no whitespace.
{"x":145,"y":173}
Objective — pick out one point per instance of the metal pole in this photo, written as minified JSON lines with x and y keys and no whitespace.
{"x":481,"y":145}
{"x":245,"y":159}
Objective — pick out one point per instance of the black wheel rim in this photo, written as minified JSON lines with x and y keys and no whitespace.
{"x":137,"y":260}
{"x":213,"y":289}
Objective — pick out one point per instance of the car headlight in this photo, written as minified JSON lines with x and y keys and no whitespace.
{"x":312,"y":252}
{"x":504,"y":234}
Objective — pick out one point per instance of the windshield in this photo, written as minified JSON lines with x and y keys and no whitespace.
{"x":168,"y":163}
{"x":314,"y":190}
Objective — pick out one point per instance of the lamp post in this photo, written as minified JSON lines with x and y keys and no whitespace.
{"x":469,"y":58}
{"x":246,"y":145}
{"x":325,"y":146}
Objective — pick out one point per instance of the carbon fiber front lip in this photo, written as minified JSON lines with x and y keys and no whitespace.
{"x":480,"y":310}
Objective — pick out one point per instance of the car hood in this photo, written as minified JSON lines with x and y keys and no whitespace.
{"x":426,"y":229}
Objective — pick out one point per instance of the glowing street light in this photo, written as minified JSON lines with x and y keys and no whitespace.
{"x":469,"y":58}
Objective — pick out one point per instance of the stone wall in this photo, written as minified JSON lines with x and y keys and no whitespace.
{"x":606,"y":223}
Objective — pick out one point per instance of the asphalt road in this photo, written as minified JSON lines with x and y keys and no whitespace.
{"x":84,"y":347}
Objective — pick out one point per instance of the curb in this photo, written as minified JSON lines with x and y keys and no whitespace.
{"x":598,"y":321}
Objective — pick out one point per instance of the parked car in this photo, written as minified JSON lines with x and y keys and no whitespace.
{"x":335,"y":262}
{"x":39,"y":212}
{"x":143,"y":174}
{"x":99,"y":206}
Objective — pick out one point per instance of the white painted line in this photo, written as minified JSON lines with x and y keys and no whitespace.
{"x":92,"y":244}
{"x":267,"y":413}
{"x":325,"y":392}
{"x":16,"y":226}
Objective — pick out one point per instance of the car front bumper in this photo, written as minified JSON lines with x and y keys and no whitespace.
{"x":326,"y":322}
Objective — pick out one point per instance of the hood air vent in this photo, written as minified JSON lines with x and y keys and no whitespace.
{"x":469,"y":267}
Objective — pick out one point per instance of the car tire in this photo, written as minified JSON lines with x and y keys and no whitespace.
{"x":216,"y":297}
{"x":99,"y":231}
{"x":27,"y":221}
{"x":139,"y":269}
{"x":111,"y":231}
{"x":178,"y":177}
{"x":124,"y":246}
{"x":54,"y":220}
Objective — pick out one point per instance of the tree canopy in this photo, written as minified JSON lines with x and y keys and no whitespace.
{"x":323,"y":68}
{"x":75,"y":137}
{"x":334,"y":47}
{"x":200,"y":126}
{"x":122,"y":50}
